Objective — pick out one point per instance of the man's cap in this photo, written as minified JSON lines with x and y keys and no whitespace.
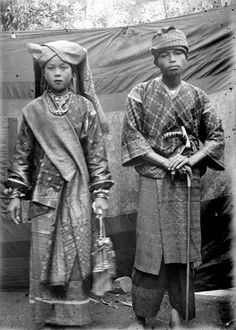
{"x":168,"y":37}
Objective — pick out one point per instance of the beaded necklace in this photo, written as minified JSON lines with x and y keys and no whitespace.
{"x":58,"y":105}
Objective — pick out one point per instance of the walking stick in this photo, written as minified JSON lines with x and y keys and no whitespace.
{"x":188,"y":247}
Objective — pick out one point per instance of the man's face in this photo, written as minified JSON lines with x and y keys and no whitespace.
{"x":171,"y":61}
{"x":58,"y":74}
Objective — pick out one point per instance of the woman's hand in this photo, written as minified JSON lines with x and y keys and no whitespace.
{"x":14,"y":210}
{"x":101,"y":204}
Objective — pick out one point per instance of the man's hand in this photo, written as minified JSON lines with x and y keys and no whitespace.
{"x":181,"y":164}
{"x":177,"y":162}
{"x":14,"y":210}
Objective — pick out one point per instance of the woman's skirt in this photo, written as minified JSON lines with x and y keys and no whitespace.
{"x":59,"y":305}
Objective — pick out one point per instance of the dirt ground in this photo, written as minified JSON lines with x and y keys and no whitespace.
{"x":114,"y":311}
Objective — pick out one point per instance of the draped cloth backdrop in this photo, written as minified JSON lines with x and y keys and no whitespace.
{"x":120,"y":58}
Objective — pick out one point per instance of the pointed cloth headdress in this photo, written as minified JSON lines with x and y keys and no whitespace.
{"x":75,"y":55}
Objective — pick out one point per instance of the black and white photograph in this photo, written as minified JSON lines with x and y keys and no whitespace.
{"x":117,"y":164}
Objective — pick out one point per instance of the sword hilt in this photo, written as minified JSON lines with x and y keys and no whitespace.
{"x":182,"y":134}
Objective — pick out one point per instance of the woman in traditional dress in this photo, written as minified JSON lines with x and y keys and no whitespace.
{"x":60,"y":164}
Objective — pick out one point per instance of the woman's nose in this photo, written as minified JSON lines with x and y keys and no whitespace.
{"x":57,"y":72}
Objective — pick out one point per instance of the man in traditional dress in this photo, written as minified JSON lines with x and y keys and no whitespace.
{"x":165,"y":120}
{"x":59,"y":163}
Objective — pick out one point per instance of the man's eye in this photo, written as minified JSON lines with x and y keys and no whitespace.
{"x":178,"y":52}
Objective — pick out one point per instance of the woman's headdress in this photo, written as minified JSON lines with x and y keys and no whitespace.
{"x":75,"y":55}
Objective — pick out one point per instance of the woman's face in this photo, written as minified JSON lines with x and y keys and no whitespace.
{"x":58,"y":74}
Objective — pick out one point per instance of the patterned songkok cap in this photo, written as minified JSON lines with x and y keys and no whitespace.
{"x":68,"y":51}
{"x":168,"y":37}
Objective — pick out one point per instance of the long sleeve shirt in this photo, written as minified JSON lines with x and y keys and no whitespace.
{"x":151,"y":112}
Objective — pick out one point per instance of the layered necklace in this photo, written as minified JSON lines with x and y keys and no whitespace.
{"x":58,"y":105}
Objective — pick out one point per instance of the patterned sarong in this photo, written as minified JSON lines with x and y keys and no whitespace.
{"x":61,"y":305}
{"x":161,"y":230}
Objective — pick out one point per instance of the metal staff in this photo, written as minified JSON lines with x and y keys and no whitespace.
{"x":183,"y":134}
{"x":188,"y":248}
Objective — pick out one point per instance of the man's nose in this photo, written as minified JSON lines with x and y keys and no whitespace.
{"x":171,"y":57}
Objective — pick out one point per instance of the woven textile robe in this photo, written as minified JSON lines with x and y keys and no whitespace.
{"x":151,"y":111}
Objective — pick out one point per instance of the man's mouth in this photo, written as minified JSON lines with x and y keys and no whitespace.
{"x":173,"y":67}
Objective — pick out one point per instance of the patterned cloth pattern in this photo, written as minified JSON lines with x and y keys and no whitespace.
{"x":151,"y":112}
